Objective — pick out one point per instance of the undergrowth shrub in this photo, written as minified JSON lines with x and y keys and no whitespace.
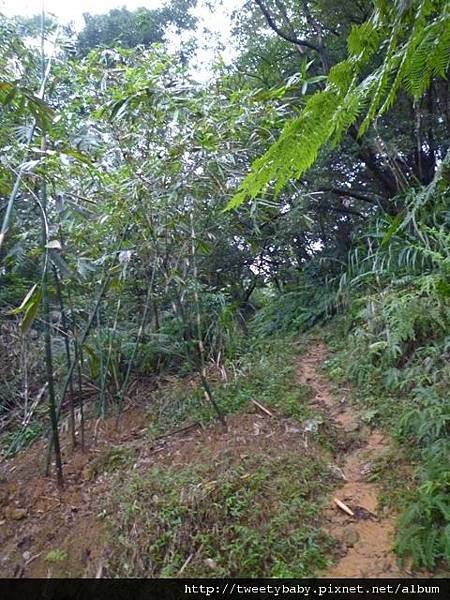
{"x":294,"y":311}
{"x":393,"y":342}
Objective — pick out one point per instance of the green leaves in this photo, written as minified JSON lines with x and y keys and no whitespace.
{"x":20,"y":98}
{"x":31,"y":311}
{"x":29,"y":307}
{"x":25,"y":301}
{"x":73,"y":153}
{"x":395,"y":225}
{"x":41,"y":111}
{"x":118,"y":108}
{"x":413,"y":51}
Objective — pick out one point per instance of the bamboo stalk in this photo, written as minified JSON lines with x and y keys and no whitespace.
{"x":48,"y":342}
{"x":110,"y":349}
{"x":65,"y":332}
{"x":124,"y":387}
{"x":44,"y":287}
{"x":200,"y":346}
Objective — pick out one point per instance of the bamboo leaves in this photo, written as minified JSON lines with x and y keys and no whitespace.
{"x":31,"y":311}
{"x":25,"y":102}
{"x":29,"y":307}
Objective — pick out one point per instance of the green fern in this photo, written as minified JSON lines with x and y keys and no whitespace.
{"x":414,"y":47}
{"x":396,"y":290}
{"x":424,"y":529}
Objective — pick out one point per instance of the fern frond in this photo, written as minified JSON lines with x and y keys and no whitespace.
{"x":414,"y":41}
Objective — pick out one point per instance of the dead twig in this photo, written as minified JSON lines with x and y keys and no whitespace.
{"x":187,"y":428}
{"x":263,"y":408}
{"x":343,"y":507}
{"x":30,"y":560}
{"x":189,"y":558}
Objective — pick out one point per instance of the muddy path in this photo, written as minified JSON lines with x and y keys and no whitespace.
{"x":36,"y":519}
{"x":365,"y":539}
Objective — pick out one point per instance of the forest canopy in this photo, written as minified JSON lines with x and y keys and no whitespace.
{"x":155,"y":223}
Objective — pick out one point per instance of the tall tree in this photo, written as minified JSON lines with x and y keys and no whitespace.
{"x":142,"y":27}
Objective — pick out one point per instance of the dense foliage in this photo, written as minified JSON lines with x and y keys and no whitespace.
{"x":136,"y":242}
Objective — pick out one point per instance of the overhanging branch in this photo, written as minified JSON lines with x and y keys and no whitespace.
{"x":350,"y":193}
{"x":289,"y":38}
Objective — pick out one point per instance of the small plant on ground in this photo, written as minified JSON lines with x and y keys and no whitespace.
{"x":56,"y":556}
{"x":253,"y":519}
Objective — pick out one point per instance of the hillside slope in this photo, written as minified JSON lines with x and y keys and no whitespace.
{"x":255,"y":499}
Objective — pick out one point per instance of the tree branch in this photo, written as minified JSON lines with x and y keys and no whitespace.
{"x":350,"y":193}
{"x":336,"y":209}
{"x":289,"y":38}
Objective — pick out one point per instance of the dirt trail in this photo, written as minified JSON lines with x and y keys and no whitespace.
{"x":366,"y":538}
{"x":36,"y":519}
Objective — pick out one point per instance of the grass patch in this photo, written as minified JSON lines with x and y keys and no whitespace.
{"x":113,"y":459}
{"x":13,"y":442}
{"x":55,"y":556}
{"x":265,"y":373}
{"x":259,"y":518}
{"x":252,"y":512}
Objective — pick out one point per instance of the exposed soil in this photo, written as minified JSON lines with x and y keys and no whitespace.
{"x":366,"y":538}
{"x":36,"y":518}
